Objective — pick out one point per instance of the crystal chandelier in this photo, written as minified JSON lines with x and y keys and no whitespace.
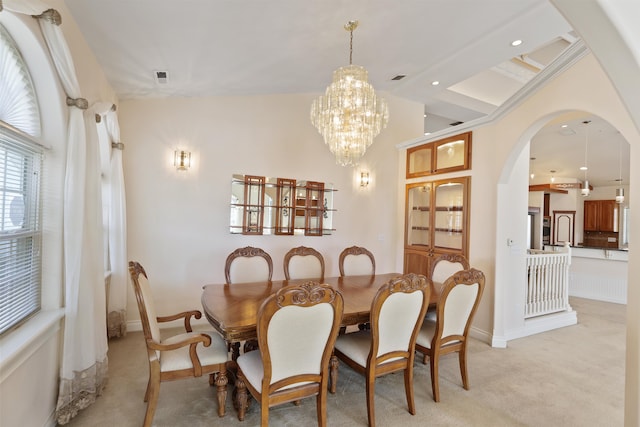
{"x":349,"y":115}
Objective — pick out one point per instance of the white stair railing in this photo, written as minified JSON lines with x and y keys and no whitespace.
{"x":547,"y":282}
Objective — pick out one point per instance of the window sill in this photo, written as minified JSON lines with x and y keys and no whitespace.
{"x":20,"y":344}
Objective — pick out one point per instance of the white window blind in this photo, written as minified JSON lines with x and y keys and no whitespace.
{"x":20,"y":229}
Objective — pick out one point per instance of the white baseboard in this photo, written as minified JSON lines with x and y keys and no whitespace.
{"x":541,"y":324}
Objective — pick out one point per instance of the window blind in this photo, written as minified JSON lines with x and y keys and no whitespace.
{"x":20,"y":228}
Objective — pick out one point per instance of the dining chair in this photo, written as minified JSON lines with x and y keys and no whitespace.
{"x":447,"y":264}
{"x":297,"y":328}
{"x":442,"y":267}
{"x":248,"y":264}
{"x":449,"y":333}
{"x":356,"y":261}
{"x":397,"y":311}
{"x":303,"y":263}
{"x":185,"y":355}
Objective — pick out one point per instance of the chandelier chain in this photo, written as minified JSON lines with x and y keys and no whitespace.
{"x":351,"y":47}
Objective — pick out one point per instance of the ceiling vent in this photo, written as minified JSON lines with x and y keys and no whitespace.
{"x":399,"y":77}
{"x":455,"y":123}
{"x":162,"y":77}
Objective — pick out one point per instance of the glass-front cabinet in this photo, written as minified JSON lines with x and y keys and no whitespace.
{"x":442,"y":156}
{"x":436,"y":222}
{"x":280,"y":206}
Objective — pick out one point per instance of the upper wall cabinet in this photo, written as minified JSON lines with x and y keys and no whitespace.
{"x":446,"y":155}
{"x":280,"y":206}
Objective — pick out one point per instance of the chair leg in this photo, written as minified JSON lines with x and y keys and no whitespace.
{"x":371,"y":388}
{"x":333,"y":373}
{"x":435,"y":387}
{"x":153,"y":390}
{"x":321,"y":407}
{"x":408,"y":388}
{"x":146,"y":393}
{"x":425,"y":358}
{"x":462,"y":357}
{"x":264,"y":410}
{"x":221,"y":385}
{"x":241,"y":395}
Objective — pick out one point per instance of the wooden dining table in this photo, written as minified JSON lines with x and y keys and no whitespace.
{"x":232,"y":309}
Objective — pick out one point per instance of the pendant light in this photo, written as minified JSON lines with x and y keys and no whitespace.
{"x":349,"y":115}
{"x":620,"y":191}
{"x":585,"y":185}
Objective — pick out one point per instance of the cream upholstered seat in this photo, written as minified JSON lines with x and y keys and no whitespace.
{"x":397,"y":312}
{"x":186,"y":355}
{"x":449,"y":333}
{"x":303,"y":263}
{"x":297,"y":327}
{"x":248,"y":264}
{"x":356,"y":261}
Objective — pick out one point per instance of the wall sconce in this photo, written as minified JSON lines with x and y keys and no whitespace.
{"x":364,"y":179}
{"x":182,"y":160}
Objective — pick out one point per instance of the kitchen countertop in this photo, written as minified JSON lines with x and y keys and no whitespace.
{"x":579,"y":251}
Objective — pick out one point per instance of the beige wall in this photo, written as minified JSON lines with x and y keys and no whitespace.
{"x":178,"y":222}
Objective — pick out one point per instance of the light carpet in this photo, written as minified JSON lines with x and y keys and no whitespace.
{"x":573,"y":376}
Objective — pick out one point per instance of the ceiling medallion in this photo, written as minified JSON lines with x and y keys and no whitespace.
{"x":349,"y":115}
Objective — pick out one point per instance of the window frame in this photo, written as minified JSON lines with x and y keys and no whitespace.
{"x":28,"y":235}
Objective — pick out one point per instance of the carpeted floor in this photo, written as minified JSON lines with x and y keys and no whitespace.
{"x":572,"y":376}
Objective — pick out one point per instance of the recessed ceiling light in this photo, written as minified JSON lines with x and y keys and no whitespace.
{"x":583,"y":168}
{"x":516,"y":43}
{"x":564,"y":126}
{"x":425,"y":115}
{"x":427,"y":133}
{"x":435,"y":83}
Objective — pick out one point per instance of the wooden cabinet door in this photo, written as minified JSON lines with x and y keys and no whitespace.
{"x":416,"y":261}
{"x":608,"y":215}
{"x":591,"y":213}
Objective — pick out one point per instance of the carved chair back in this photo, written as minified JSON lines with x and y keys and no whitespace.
{"x":356,"y":261}
{"x":447,"y":264}
{"x":303,"y":263}
{"x":248,"y":264}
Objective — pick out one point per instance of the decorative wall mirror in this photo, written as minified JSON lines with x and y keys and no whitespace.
{"x":280,"y":206}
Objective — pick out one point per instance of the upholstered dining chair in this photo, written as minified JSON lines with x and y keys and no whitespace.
{"x":457,"y":305}
{"x":356,"y":261}
{"x":446,"y":264}
{"x":441,"y":268}
{"x":303,"y":263}
{"x":397,"y":311}
{"x":248,"y":264}
{"x":297,"y":328}
{"x":186,"y":355}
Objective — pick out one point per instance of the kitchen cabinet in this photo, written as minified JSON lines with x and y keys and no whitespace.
{"x":442,"y":156}
{"x":436,"y":222}
{"x":601,"y":215}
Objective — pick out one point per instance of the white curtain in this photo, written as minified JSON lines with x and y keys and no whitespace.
{"x":83,"y":369}
{"x":115,"y":220}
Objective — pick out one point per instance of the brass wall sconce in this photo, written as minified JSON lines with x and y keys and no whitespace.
{"x":182,"y":160}
{"x":364,"y":179}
